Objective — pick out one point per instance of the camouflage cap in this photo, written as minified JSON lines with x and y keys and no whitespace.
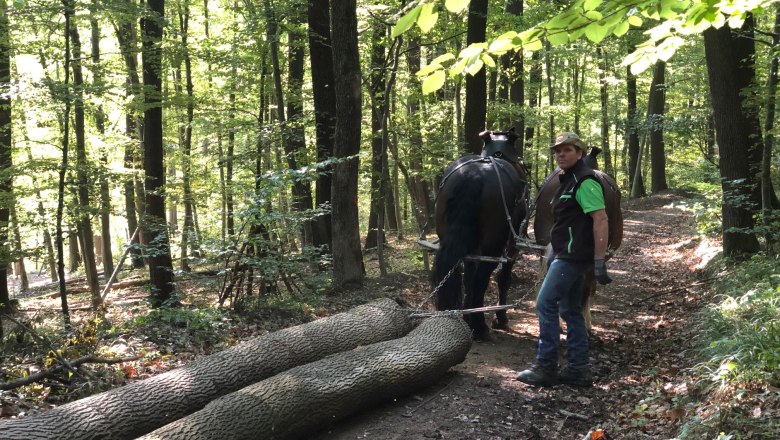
{"x":569,"y":138}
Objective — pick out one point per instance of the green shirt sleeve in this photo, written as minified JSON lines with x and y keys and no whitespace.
{"x":590,"y":196}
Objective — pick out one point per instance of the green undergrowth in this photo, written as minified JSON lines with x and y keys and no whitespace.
{"x":739,"y":352}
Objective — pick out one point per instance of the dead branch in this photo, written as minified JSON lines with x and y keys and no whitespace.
{"x":64,"y":364}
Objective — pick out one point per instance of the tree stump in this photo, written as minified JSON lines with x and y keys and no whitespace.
{"x":141,"y":407}
{"x":306,"y":398}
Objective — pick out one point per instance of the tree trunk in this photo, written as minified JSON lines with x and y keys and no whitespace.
{"x":295,"y":141}
{"x":188,"y":236}
{"x":535,"y":80}
{"x":348,"y":266}
{"x":20,"y":270}
{"x":68,"y":12}
{"x":770,"y":237}
{"x":298,"y":402}
{"x":422,"y":203}
{"x":657,"y":150}
{"x":140,"y":407}
{"x":100,"y":124}
{"x":377,"y":93}
{"x":729,"y":54}
{"x":126,"y":33}
{"x":632,"y":129}
{"x":6,"y":163}
{"x":604,"y":89}
{"x":82,"y":173}
{"x":476,"y":85}
{"x":154,"y":226}
{"x":324,"y":97}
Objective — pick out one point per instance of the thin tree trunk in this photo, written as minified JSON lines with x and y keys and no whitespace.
{"x":632,"y":129}
{"x":6,"y":163}
{"x":657,"y":150}
{"x":476,"y":85}
{"x":766,"y":161}
{"x":100,"y":118}
{"x":82,"y":180}
{"x":20,"y":270}
{"x":69,"y":11}
{"x":377,"y":94}
{"x":324,"y":96}
{"x":603,"y":87}
{"x":188,"y":237}
{"x":348,"y":266}
{"x":154,"y":227}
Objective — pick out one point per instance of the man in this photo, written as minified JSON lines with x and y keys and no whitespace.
{"x":579,"y":241}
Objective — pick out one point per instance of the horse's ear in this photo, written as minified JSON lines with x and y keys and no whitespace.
{"x":511,"y":135}
{"x":485,"y":135}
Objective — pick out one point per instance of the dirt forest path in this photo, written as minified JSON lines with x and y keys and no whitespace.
{"x":639,"y":345}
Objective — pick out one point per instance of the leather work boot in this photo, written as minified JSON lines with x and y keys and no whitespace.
{"x":578,"y":377}
{"x":538,"y":375}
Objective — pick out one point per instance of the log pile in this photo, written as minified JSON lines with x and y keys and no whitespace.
{"x":141,"y":407}
{"x":309,"y":397}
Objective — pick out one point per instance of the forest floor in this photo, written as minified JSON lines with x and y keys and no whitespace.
{"x":641,"y":346}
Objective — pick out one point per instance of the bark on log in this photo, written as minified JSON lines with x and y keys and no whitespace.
{"x":141,"y":407}
{"x":309,"y":397}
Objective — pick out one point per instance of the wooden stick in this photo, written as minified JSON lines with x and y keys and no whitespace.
{"x":49,"y":372}
{"x":111,"y":279}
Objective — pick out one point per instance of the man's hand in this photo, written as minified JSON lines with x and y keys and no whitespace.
{"x":600,"y":271}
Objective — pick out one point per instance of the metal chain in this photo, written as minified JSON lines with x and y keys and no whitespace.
{"x":441,"y":283}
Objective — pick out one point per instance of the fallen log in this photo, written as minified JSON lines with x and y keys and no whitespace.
{"x":309,"y":397}
{"x":141,"y":407}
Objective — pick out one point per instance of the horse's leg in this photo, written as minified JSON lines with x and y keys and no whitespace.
{"x":475,"y":298}
{"x":504,"y":280}
{"x":449,"y":295}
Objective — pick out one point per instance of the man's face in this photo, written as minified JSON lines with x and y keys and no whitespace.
{"x":567,"y":155}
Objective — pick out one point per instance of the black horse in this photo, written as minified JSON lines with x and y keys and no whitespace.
{"x":481,"y":202}
{"x":543,"y":219}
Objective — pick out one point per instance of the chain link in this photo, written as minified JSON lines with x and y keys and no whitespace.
{"x":441,"y":283}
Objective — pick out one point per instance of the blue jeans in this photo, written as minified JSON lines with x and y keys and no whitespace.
{"x":561,"y":292}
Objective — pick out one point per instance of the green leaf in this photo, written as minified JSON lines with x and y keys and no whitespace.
{"x":456,"y":6}
{"x":406,"y":22}
{"x":596,"y":32}
{"x":441,"y":59}
{"x":562,"y":20}
{"x":594,"y":15}
{"x":488,"y":60}
{"x":533,"y":46}
{"x":621,"y":29}
{"x":472,"y":50}
{"x":668,"y":47}
{"x":433,"y":82}
{"x":430,"y":68}
{"x":427,"y":18}
{"x":736,"y":21}
{"x":591,"y":5}
{"x":503,"y":43}
{"x":474,"y":67}
{"x":557,"y":38}
{"x":635,"y":20}
{"x":459,"y":67}
{"x":642,"y":64}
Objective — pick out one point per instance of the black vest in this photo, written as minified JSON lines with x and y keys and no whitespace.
{"x":572,"y":231}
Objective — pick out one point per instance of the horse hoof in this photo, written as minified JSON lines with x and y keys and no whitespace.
{"x":500,"y":324}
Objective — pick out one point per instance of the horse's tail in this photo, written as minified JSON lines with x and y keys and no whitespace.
{"x":462,"y":219}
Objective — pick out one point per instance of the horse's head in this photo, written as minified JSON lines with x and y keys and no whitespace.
{"x":500,"y":144}
{"x":590,"y":158}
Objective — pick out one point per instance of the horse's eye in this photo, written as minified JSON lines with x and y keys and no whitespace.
{"x":499,"y":154}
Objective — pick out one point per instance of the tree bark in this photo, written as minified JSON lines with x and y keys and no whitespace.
{"x":5,"y":152}
{"x":306,"y":398}
{"x":729,"y":56}
{"x":140,"y":407}
{"x":82,"y":180}
{"x":604,"y":91}
{"x":126,"y":34}
{"x":632,"y":129}
{"x":188,"y":236}
{"x":348,"y":266}
{"x":377,"y":83}
{"x":770,"y":238}
{"x":656,"y":114}
{"x":324,"y":97}
{"x":476,"y":85}
{"x":154,"y":226}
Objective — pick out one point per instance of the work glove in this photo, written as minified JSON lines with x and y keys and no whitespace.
{"x":600,"y":271}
